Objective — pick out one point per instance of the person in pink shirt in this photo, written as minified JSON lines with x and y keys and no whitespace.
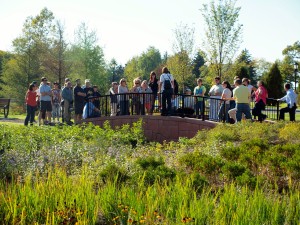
{"x":261,"y":95}
{"x":31,"y":104}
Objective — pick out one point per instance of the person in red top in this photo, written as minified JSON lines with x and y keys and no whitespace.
{"x":261,"y":95}
{"x":31,"y":104}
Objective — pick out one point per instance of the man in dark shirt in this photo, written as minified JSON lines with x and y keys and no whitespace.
{"x":97,"y":96}
{"x":79,"y":96}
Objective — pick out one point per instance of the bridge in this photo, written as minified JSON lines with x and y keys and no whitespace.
{"x":159,"y":128}
{"x":166,"y":128}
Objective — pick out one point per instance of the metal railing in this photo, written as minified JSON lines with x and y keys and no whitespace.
{"x":205,"y":108}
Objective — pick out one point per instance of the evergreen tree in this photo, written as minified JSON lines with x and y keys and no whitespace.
{"x":274,"y":82}
{"x":198,"y":61}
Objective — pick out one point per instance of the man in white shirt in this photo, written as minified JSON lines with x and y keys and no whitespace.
{"x":290,"y":98}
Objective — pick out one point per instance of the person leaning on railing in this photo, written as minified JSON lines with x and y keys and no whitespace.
{"x":261,"y":95}
{"x":290,"y":98}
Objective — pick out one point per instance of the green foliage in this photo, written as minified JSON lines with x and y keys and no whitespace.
{"x":236,"y":174}
{"x":223,"y":32}
{"x":274,"y":82}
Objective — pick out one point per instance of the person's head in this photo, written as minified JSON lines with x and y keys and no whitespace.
{"x":32,"y":87}
{"x":78,"y":82}
{"x":237,"y":82}
{"x":287,"y":86}
{"x":152,"y":75}
{"x":69,"y":84}
{"x":144,"y":84}
{"x":55,"y":85}
{"x":91,"y":98}
{"x":67,"y":79}
{"x":226,"y":84}
{"x":188,"y":91}
{"x":123,"y":82}
{"x":165,"y":70}
{"x":217,"y":80}
{"x":245,"y":81}
{"x":199,"y":81}
{"x":114,"y":84}
{"x":260,"y":83}
{"x":136,"y":82}
{"x":87,"y":82}
{"x":44,"y":80}
{"x":95,"y":88}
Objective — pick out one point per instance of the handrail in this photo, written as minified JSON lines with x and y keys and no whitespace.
{"x":139,"y":103}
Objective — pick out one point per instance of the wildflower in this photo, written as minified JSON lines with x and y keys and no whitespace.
{"x":142,"y":221}
{"x":130,"y":220}
{"x":155,"y":212}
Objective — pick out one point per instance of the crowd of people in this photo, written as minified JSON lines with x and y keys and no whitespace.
{"x":227,"y":102}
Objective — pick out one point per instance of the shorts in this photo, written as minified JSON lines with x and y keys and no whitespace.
{"x":46,"y":106}
{"x":78,"y":108}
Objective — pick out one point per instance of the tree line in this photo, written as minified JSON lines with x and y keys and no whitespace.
{"x":42,"y":50}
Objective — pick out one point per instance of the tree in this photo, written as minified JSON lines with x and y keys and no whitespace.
{"x":292,"y":56}
{"x":88,"y":58}
{"x":223,"y":32}
{"x":116,"y":71}
{"x":184,"y":39}
{"x":198,"y":62}
{"x":274,"y":82}
{"x":55,"y":59}
{"x":181,"y":68}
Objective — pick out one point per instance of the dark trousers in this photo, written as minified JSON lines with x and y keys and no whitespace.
{"x":124,"y":107}
{"x":291,"y":111}
{"x":30,"y":115}
{"x":166,"y":99}
{"x":256,"y":111}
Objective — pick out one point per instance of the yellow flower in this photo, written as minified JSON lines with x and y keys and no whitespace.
{"x":142,"y":221}
{"x":130,"y":220}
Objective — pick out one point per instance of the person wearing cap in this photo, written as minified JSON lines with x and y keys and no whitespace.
{"x":56,"y":99}
{"x":45,"y":101}
{"x":89,"y":110}
{"x":67,"y":95}
{"x":88,"y":90}
{"x":79,"y":96}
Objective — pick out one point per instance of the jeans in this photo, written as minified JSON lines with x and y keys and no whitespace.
{"x":30,"y":115}
{"x":221,"y":115}
{"x":166,"y":99}
{"x":199,"y":108}
{"x":124,"y":107}
{"x":243,"y":108}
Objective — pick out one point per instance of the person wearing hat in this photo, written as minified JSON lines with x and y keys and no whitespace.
{"x":89,"y":110}
{"x":67,"y":95}
{"x":45,"y":101}
{"x":79,"y":96}
{"x":56,"y":99}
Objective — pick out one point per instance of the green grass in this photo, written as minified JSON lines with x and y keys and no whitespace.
{"x":246,"y":173}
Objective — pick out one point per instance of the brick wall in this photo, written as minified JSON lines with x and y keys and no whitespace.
{"x":160,"y":128}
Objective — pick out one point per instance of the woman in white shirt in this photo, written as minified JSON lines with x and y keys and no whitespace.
{"x":225,"y":105}
{"x":215,"y":93}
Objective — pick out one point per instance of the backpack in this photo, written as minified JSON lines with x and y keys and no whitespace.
{"x":167,"y":84}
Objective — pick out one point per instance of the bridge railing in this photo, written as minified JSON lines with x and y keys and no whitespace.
{"x":205,"y":108}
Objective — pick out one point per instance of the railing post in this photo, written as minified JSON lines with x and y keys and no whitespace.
{"x":277,"y":109}
{"x":203,"y":109}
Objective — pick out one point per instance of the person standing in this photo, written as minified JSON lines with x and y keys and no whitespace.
{"x":290,"y":98}
{"x":261,"y":95}
{"x":136,"y":98}
{"x":79,"y":96}
{"x":215,"y":93}
{"x":56,"y":99}
{"x":241,"y":95}
{"x":225,"y":105}
{"x":199,"y":91}
{"x":153,"y":84}
{"x":123,"y":97}
{"x":88,"y":90}
{"x":31,"y":104}
{"x":96,"y":95}
{"x":67,"y":95}
{"x":166,"y":88}
{"x":113,"y":91}
{"x":45,"y":98}
{"x":146,"y":98}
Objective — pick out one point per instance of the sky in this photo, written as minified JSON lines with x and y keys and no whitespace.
{"x":126,"y":28}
